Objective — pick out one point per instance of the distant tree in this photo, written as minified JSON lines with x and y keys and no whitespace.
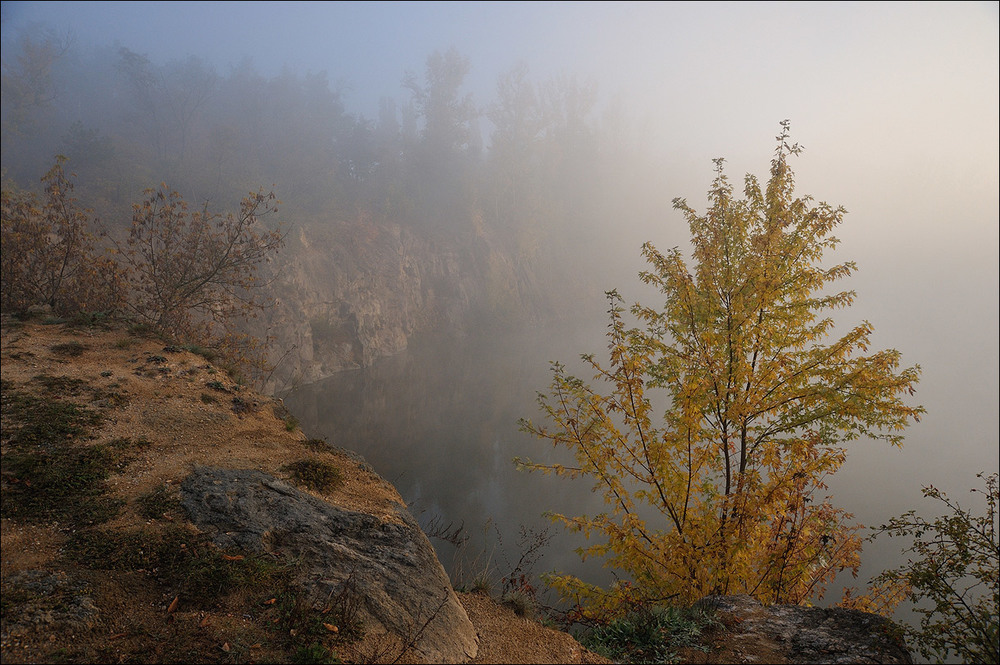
{"x":29,"y":88}
{"x":87,"y":145}
{"x":724,"y":494}
{"x":168,"y":102}
{"x":442,"y":165}
{"x":447,"y":114}
{"x":514,"y":155}
{"x":27,"y":82}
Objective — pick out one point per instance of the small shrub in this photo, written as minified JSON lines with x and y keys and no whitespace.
{"x":648,"y":635}
{"x":111,"y":397}
{"x":522,"y":603}
{"x":213,"y":574}
{"x":482,"y":585}
{"x":319,"y":445}
{"x":153,"y":505}
{"x":32,"y":421}
{"x":314,"y":653}
{"x":241,"y":406}
{"x":144,"y":330}
{"x":111,"y":549}
{"x":56,"y":595}
{"x":291,"y":424}
{"x":71,"y":349}
{"x":60,"y":385}
{"x":209,"y":399}
{"x":315,"y":474}
{"x":188,"y":563}
{"x":208,"y":354}
{"x":48,"y":475}
{"x":340,"y":614}
{"x":954,"y":564}
{"x":61,"y":485}
{"x":88,"y":320}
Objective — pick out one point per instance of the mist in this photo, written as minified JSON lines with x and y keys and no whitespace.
{"x":568,"y":130}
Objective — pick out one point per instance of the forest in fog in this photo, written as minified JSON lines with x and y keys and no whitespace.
{"x":538,"y":171}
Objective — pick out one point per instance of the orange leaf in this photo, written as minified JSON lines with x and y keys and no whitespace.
{"x":330,"y":627}
{"x":173,"y":605}
{"x":228,"y":557}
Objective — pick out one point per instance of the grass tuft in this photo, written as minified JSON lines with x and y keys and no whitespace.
{"x":154,"y":504}
{"x":72,"y":349}
{"x":315,"y":474}
{"x":649,"y":635}
{"x":318,"y":445}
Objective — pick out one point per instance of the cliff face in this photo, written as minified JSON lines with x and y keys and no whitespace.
{"x":349,"y":294}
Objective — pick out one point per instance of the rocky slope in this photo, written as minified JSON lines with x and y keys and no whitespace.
{"x":155,"y":511}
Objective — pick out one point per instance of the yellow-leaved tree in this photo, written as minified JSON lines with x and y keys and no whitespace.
{"x":723,"y":492}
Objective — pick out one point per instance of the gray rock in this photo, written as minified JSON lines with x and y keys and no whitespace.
{"x":401,"y":585}
{"x":798,"y":634}
{"x":44,"y":600}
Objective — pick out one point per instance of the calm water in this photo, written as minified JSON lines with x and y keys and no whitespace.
{"x":439,"y":421}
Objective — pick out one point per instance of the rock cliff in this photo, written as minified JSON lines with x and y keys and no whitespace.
{"x":349,"y":294}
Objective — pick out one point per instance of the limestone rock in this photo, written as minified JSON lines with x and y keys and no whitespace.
{"x":402,"y":586}
{"x":797,"y":634}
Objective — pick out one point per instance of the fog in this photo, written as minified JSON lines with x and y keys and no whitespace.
{"x":896,"y":105}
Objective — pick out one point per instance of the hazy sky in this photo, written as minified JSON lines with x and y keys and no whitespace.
{"x":896,"y":105}
{"x":894,"y":96}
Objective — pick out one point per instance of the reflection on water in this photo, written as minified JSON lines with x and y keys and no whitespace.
{"x":439,"y":422}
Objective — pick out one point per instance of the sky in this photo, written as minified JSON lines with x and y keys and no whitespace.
{"x":899,"y":94}
{"x":896,"y":105}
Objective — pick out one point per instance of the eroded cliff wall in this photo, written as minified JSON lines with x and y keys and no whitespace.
{"x":351,"y":293}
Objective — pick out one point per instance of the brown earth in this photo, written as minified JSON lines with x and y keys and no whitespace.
{"x":177,"y":410}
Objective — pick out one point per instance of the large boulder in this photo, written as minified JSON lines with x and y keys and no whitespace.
{"x":400,"y":585}
{"x":798,"y":634}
